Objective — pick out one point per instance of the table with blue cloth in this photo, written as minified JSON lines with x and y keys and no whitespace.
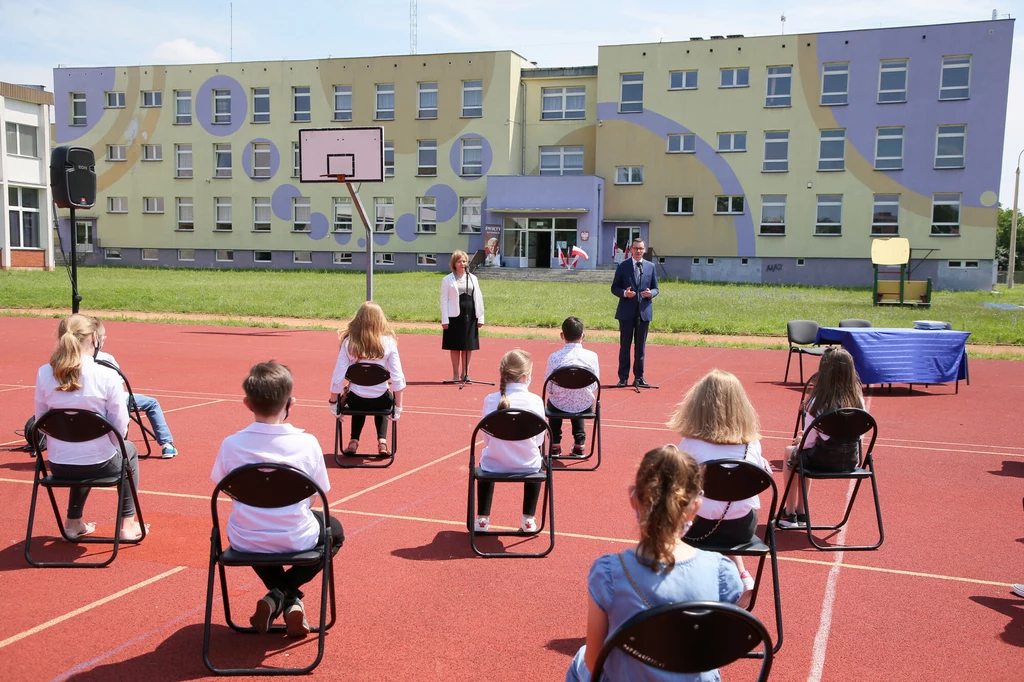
{"x":902,"y":356}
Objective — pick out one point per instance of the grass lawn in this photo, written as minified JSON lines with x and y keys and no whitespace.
{"x":732,"y":309}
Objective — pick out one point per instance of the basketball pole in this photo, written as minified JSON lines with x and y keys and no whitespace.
{"x":369,"y":234}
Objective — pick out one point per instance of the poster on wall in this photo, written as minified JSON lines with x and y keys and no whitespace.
{"x":492,"y":246}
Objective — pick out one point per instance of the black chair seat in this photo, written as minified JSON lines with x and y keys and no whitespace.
{"x":755,"y":546}
{"x":558,"y":414}
{"x":856,"y":473}
{"x":484,"y":475}
{"x":232,"y":557}
{"x":55,"y":482}
{"x":813,"y":350}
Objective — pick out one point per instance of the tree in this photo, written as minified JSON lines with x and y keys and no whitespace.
{"x":1003,"y":238}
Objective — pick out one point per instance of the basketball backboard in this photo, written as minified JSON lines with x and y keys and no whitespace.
{"x":357,"y":153}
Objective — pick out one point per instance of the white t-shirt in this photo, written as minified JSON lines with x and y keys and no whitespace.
{"x":703,"y":451}
{"x":390,"y":360}
{"x":513,"y":456}
{"x":572,"y":399}
{"x":285,"y":529}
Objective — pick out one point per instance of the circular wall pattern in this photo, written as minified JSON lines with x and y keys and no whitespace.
{"x":204,"y":105}
{"x":989,"y":198}
{"x":455,"y":156}
{"x":281,"y":201}
{"x":405,"y":227}
{"x":275,"y":159}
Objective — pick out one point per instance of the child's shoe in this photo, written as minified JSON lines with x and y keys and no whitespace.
{"x":483,"y":524}
{"x":556,"y":450}
{"x":528,"y":524}
{"x":577,"y":450}
{"x":295,"y":620}
{"x":267,"y":609}
{"x":168,"y":451}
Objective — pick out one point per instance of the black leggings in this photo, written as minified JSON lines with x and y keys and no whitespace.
{"x":381,"y":402}
{"x":485,"y":495}
{"x":288,"y":582}
{"x":111,"y":468}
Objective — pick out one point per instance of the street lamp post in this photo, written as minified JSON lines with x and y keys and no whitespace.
{"x":1011,"y":257}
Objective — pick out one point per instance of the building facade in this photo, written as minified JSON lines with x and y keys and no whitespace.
{"x":766,"y":159}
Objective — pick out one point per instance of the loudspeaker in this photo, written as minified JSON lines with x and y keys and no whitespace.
{"x":73,"y":177}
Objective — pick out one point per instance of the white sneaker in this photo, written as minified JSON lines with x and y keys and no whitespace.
{"x":483,"y":524}
{"x":747,"y":580}
{"x":528,"y":524}
{"x":1018,"y":589}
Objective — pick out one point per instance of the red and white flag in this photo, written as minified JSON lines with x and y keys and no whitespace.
{"x":577,"y":251}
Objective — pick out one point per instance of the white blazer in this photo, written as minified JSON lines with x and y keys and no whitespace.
{"x":450,"y":298}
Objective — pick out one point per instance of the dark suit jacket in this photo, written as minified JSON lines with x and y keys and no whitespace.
{"x":625,"y":277}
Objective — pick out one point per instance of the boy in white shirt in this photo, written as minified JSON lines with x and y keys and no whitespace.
{"x":574,"y":400}
{"x":296,"y":528}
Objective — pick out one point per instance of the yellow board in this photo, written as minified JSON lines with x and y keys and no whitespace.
{"x":890,"y":251}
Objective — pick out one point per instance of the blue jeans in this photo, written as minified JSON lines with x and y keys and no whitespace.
{"x":156,"y":417}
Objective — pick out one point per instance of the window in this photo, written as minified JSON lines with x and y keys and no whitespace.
{"x":183,"y":107}
{"x":222,"y":160}
{"x":428,"y":101}
{"x":563,"y":103}
{"x":945,"y":215}
{"x":780,"y":86}
{"x":261,"y":214}
{"x":302,"y":256}
{"x":385,"y":110}
{"x":830,"y":215}
{"x":342,"y":258}
{"x":261,"y":105}
{"x":709,"y":260}
{"x":224,"y":256}
{"x":889,"y":149}
{"x":300,"y":105}
{"x":342,"y":103}
{"x":112,"y":254}
{"x":78,"y":117}
{"x":696,"y":261}
{"x":301,"y":214}
{"x":183,"y":161}
{"x":115,"y":100}
{"x":956,"y":78}
{"x":152,"y":152}
{"x":22,"y":140}
{"x":800,"y":262}
{"x":682,"y":143}
{"x":773,"y":214}
{"x":426,"y":259}
{"x":472,"y":156}
{"x":262,"y":256}
{"x":744,"y":261}
{"x":384,"y":214}
{"x":735,"y":78}
{"x":152,"y":98}
{"x":222,"y":214}
{"x":389,"y":158}
{"x":117,"y":204}
{"x":295,"y":159}
{"x":832,"y":150}
{"x":892,"y":81}
{"x":629,"y":175}
{"x":776,"y":151}
{"x":682,"y":80}
{"x":835,"y":83}
{"x":679,"y":205}
{"x":261,"y":159}
{"x":84,"y":237}
{"x":561,"y":160}
{"x":471,"y":208}
{"x":116,"y":152}
{"x":728,"y":205}
{"x":222,"y":107}
{"x":152,"y":204}
{"x":885,"y":215}
{"x":426,"y":159}
{"x":383,"y":258}
{"x":631,"y":93}
{"x":150,"y":254}
{"x":186,"y":221}
{"x":962,"y":264}
{"x":949,"y":146}
{"x":23,"y":211}
{"x":186,"y":254}
{"x":426,"y":215}
{"x":472,"y":99}
{"x":732,"y":142}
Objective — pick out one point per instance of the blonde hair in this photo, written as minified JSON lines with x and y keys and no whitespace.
{"x":366,"y":331}
{"x":668,"y":482}
{"x":837,"y":384}
{"x":515,"y":365}
{"x":716,"y":410}
{"x":456,"y":256}
{"x":66,"y":360}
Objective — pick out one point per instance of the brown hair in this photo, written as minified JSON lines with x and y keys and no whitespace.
{"x":668,"y":482}
{"x":268,"y":387}
{"x":456,"y":256}
{"x":366,"y":331}
{"x":66,"y":360}
{"x":837,"y":384}
{"x":515,"y":365}
{"x":716,"y":410}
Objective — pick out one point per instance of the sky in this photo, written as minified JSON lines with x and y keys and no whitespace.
{"x":39,"y":35}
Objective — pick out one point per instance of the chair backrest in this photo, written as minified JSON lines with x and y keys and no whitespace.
{"x":854,"y":323}
{"x":267,"y":485}
{"x":802,"y":332}
{"x":846,"y":424}
{"x":571,"y":377}
{"x":730,"y":480}
{"x":511,"y":424}
{"x":72,"y":426}
{"x":367,"y":374}
{"x":689,"y":637}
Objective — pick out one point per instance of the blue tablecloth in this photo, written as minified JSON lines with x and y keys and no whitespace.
{"x":902,"y":356}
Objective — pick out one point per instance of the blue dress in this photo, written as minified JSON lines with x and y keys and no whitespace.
{"x":706,"y":576}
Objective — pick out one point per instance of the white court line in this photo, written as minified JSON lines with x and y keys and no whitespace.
{"x":189,"y":407}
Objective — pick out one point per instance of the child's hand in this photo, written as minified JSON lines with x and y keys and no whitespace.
{"x":398,"y":413}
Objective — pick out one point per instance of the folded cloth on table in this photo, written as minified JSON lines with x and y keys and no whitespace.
{"x":929,"y":324}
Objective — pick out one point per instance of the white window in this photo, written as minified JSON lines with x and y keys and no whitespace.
{"x":956,"y":77}
{"x":889,"y":149}
{"x":428,"y":101}
{"x":829,"y":221}
{"x":222,"y":107}
{"x":116,"y":152}
{"x":152,"y":204}
{"x":261,"y":159}
{"x":426,"y":259}
{"x":84,"y":237}
{"x":78,"y":117}
{"x":23,"y":211}
{"x":261,"y":214}
{"x":186,"y":254}
{"x":950,"y":142}
{"x":385,"y":110}
{"x":383,"y":258}
{"x":183,"y":160}
{"x":776,"y":151}
{"x":962,"y":264}
{"x":732,"y":142}
{"x":835,"y":83}
{"x":729,"y":205}
{"x":22,"y":140}
{"x":682,"y":143}
{"x":561,"y":160}
{"x":183,"y":107}
{"x":679,"y":205}
{"x":261,"y":105}
{"x":342,"y":103}
{"x":773,"y":215}
{"x":112,"y":254}
{"x":152,"y":98}
{"x":300,"y":104}
{"x":780,"y":87}
{"x":152,"y":152}
{"x":682,"y":80}
{"x":709,"y":260}
{"x":629,"y":175}
{"x":224,"y":256}
{"x":472,"y":99}
{"x":563,"y":103}
{"x":384,"y":214}
{"x":342,"y":214}
{"x":343,"y":258}
{"x":885,"y":215}
{"x":945,"y":215}
{"x":631,"y":93}
{"x":302,"y":256}
{"x":186,"y":221}
{"x":470,"y":211}
{"x":832,"y":150}
{"x":150,"y":254}
{"x":222,"y":213}
{"x":262,"y":256}
{"x":222,"y":160}
{"x":117,"y":204}
{"x":301,"y":214}
{"x":426,"y":158}
{"x":472,"y":156}
{"x":115,"y":100}
{"x":389,"y":158}
{"x":426,"y":215}
{"x":295,"y":159}
{"x":892,"y":81}
{"x":734,"y":78}
{"x":696,"y":261}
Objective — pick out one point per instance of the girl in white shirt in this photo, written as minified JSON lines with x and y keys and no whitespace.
{"x":512,"y":457}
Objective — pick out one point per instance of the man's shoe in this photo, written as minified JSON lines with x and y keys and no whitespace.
{"x":622,"y":384}
{"x":642,"y":383}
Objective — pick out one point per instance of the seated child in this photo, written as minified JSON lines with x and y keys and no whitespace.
{"x":576,"y":400}
{"x":268,"y":394}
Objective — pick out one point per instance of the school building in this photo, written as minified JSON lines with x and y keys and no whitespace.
{"x":763,"y":159}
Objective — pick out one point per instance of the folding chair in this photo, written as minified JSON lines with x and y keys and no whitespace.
{"x":366,"y":374}
{"x":689,"y":637}
{"x":134,"y":413}
{"x":78,"y":426}
{"x":808,"y":388}
{"x":844,"y":425}
{"x":576,"y":378}
{"x":801,"y":334}
{"x":268,"y":486}
{"x":854,"y":323}
{"x":731,"y":480}
{"x":512,"y":424}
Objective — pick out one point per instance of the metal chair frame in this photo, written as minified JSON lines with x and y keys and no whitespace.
{"x":366,"y":374}
{"x":574,"y":377}
{"x":801,"y":334}
{"x":134,"y":413}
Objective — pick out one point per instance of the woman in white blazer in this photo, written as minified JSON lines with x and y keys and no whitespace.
{"x":462,"y":314}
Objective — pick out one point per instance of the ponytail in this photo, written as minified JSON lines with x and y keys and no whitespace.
{"x":515,"y":365}
{"x":668,"y":482}
{"x":66,"y":360}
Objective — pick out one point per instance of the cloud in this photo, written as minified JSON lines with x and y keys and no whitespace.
{"x":184,"y":51}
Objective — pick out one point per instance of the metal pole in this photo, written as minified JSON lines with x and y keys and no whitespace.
{"x":75,"y":298}
{"x":1011,"y":257}
{"x":369,"y":240}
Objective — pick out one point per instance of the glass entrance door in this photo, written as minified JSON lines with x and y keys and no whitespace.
{"x":624,"y":236}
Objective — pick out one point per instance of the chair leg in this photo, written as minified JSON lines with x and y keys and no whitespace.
{"x":801,"y":356}
{"x":208,"y":618}
{"x":789,"y":358}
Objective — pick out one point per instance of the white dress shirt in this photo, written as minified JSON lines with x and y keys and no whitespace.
{"x":513,"y":456}
{"x":390,"y":360}
{"x":450,"y":292}
{"x":284,"y":529}
{"x":703,"y":451}
{"x":572,"y":399}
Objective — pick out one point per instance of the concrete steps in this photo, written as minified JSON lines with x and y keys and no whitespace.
{"x":598,"y":276}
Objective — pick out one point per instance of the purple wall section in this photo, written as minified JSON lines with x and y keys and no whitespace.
{"x":93,"y":82}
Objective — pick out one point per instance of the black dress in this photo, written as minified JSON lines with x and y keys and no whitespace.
{"x":462,"y":332}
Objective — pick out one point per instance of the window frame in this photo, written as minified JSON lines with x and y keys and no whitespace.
{"x":939,"y":136}
{"x":420,"y":92}
{"x":295,"y":160}
{"x":152,"y":205}
{"x":426,"y":170}
{"x":426,"y":260}
{"x":154,"y":254}
{"x":337,"y":226}
{"x":684,"y":74}
{"x":634,"y":175}
{"x":182,"y":150}
{"x":775,"y":141}
{"x":17,"y":137}
{"x":114,"y":202}
{"x":679,"y":199}
{"x":341,"y":258}
{"x":227,"y":257}
{"x":885,"y":228}
{"x":769,"y":227}
{"x":261,"y":149}
{"x":29,"y":236}
{"x":955,"y":66}
{"x":182,"y":119}
{"x":735,"y":71}
{"x":152,"y":152}
{"x":879,"y":136}
{"x":683,"y":139}
{"x":302,"y":115}
{"x":261,"y":94}
{"x":220,"y":225}
{"x":156,"y":98}
{"x":954,"y":230}
{"x":563,"y":112}
{"x":117,"y":97}
{"x":117,"y":153}
{"x":781,"y":73}
{"x":819,"y":225}
{"x":906,"y":79}
{"x":298,"y":260}
{"x":389,"y":164}
{"x":266,"y":204}
{"x":463,"y":224}
{"x":339,"y":112}
{"x":222,"y":152}
{"x":221,"y":118}
{"x":466,"y":144}
{"x":382,"y":223}
{"x":561,"y":152}
{"x":731,"y":200}
{"x":468,"y":87}
{"x":424,"y":226}
{"x":825,"y":139}
{"x":256,"y":256}
{"x":78,"y":100}
{"x":381,"y":90}
{"x":182,"y":255}
{"x":111,"y":253}
{"x":825,"y":74}
{"x":631,"y":106}
{"x":732,"y":142}
{"x":181,"y":203}
{"x":383,"y":258}
{"x":299,"y":226}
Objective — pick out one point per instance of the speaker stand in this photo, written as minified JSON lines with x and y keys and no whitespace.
{"x":75,"y":298}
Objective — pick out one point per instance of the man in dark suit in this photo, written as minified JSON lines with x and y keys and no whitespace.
{"x":636,"y":285}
